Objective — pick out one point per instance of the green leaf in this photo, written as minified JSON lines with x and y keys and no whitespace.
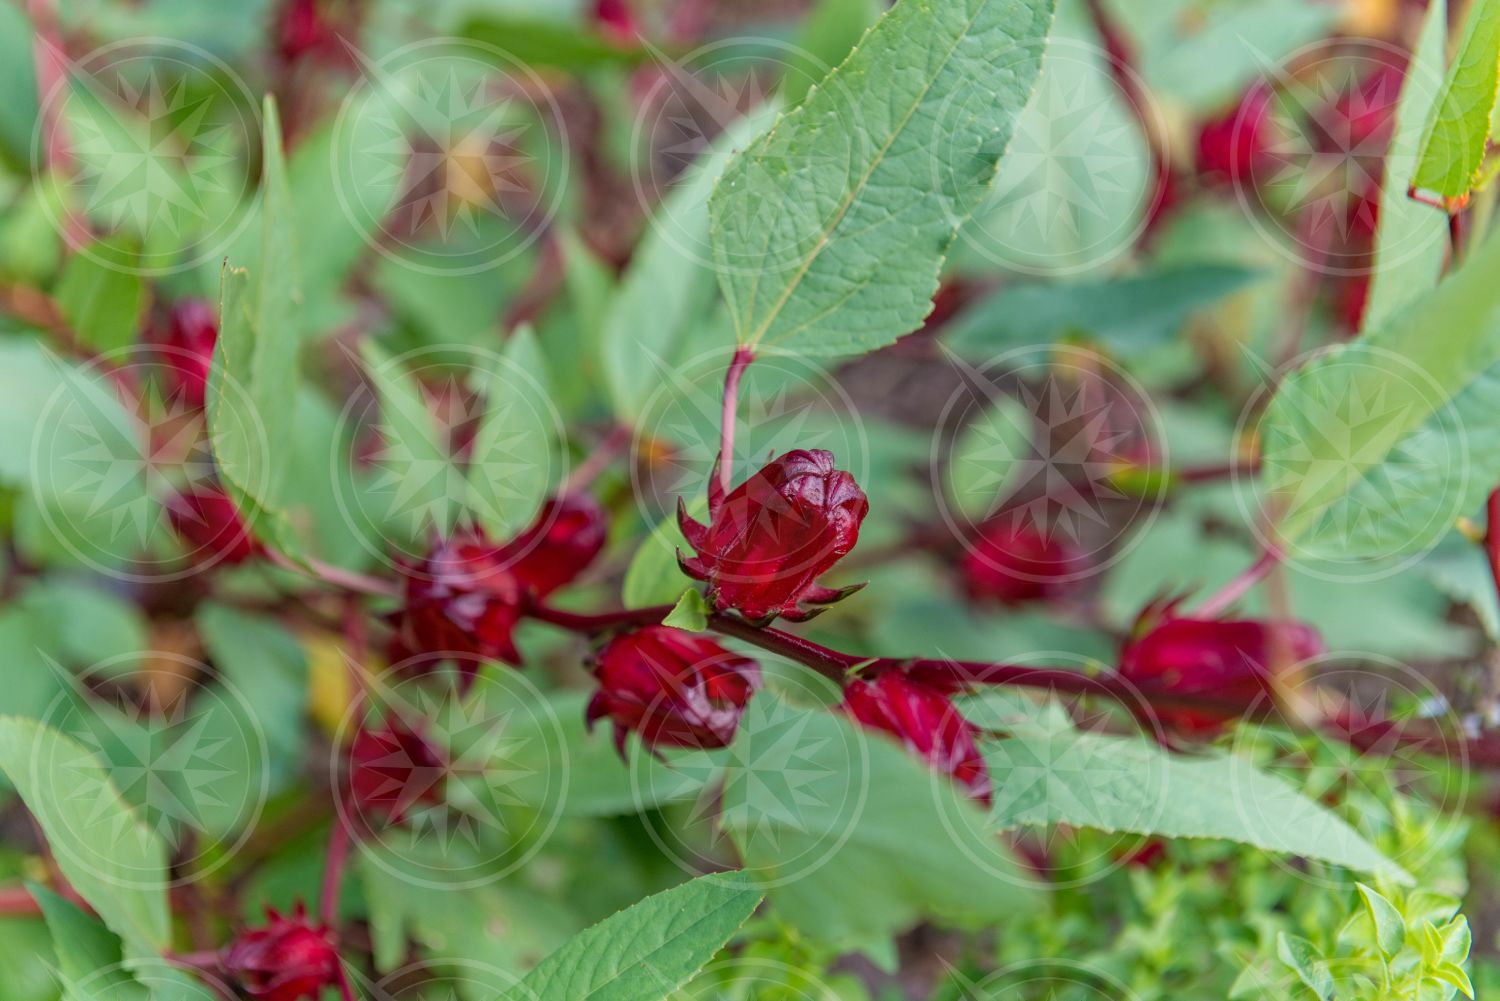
{"x":118,"y":865}
{"x":857,"y":839}
{"x":1063,"y":776}
{"x":1390,"y":928}
{"x":829,"y":232}
{"x":1411,"y":240}
{"x":1453,"y":146}
{"x":690,"y":612}
{"x":510,"y":469}
{"x":253,"y":385}
{"x":101,"y":302}
{"x":1126,"y":315}
{"x":647,"y":951}
{"x":667,"y":287}
{"x":1303,"y":958}
{"x":1336,"y":419}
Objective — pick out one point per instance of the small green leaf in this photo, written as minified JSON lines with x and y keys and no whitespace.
{"x":690,"y":612}
{"x":646,"y":951}
{"x":511,"y":466}
{"x":830,"y":231}
{"x":1303,"y":958}
{"x":1452,"y":156}
{"x":416,"y":468}
{"x":253,"y":385}
{"x":832,"y":29}
{"x":1390,"y":928}
{"x":102,"y":302}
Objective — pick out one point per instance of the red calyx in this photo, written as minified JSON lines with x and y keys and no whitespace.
{"x":392,"y":769}
{"x":673,"y":688}
{"x":466,"y":596}
{"x":1229,"y":661}
{"x":1236,"y":147}
{"x":209,"y":523}
{"x":616,"y":20}
{"x":925,"y":720}
{"x":287,"y":959}
{"x":188,"y":348}
{"x":1012,"y":562}
{"x":770,"y":538}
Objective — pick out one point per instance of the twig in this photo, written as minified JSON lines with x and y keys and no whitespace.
{"x":743,"y":356}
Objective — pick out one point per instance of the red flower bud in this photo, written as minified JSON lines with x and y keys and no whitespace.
{"x":567,"y":535}
{"x":1237,"y":146}
{"x":209,"y":523}
{"x":302,"y":28}
{"x":1229,"y":661}
{"x":287,"y":959}
{"x":188,"y":349}
{"x":674,"y":688}
{"x":774,"y":534}
{"x":461,"y":599}
{"x":925,"y":720}
{"x":467,"y":595}
{"x":393,"y":768}
{"x":1012,"y":561}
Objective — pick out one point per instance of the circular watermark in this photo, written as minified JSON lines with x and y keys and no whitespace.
{"x":744,"y":978}
{"x":485,"y":803}
{"x":180,"y":746}
{"x":1322,"y":146}
{"x":1384,"y":730}
{"x":690,"y":102}
{"x":465,"y":437}
{"x":1059,"y":765}
{"x":153,"y":979}
{"x":1076,"y":184}
{"x":448,"y":977}
{"x":783,"y":798}
{"x":158,"y":132}
{"x":1364,"y":463}
{"x":1034,"y":441}
{"x":118,"y":442}
{"x":451,"y":154}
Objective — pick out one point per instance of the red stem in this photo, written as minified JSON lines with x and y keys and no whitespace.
{"x":743,"y":356}
{"x":18,"y":901}
{"x":587,"y":471}
{"x":1236,"y":589}
{"x":333,"y":870}
{"x":1492,"y":536}
{"x":346,"y":580}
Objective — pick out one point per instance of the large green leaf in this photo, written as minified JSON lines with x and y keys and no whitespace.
{"x":252,"y":394}
{"x":1411,"y":240}
{"x":829,"y":232}
{"x":118,"y":865}
{"x":1339,"y":417}
{"x":855,"y":838}
{"x":1459,"y":127}
{"x":647,"y":951}
{"x":1059,"y":775}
